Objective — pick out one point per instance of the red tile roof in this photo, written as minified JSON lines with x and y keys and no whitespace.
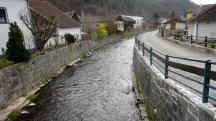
{"x":48,"y":10}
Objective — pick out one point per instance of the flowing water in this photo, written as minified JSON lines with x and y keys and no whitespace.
{"x":97,"y":89}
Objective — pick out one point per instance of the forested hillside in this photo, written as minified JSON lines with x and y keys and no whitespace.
{"x":145,"y":8}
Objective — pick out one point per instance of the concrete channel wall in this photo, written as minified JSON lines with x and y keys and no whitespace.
{"x":17,"y":80}
{"x":171,"y":101}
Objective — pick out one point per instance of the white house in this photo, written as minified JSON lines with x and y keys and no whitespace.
{"x":139,"y":21}
{"x":65,"y":24}
{"x":9,"y":12}
{"x":175,"y":24}
{"x":128,"y":22}
{"x":203,"y":24}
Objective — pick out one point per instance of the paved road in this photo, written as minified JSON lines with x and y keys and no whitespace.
{"x":97,"y":89}
{"x":172,"y":48}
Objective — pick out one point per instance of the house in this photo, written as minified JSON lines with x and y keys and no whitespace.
{"x":162,"y":21}
{"x":175,"y":24}
{"x":65,"y":24}
{"x":10,"y":11}
{"x":139,"y":21}
{"x":203,"y":24}
{"x":197,"y":10}
{"x":125,"y":23}
{"x":74,"y":16}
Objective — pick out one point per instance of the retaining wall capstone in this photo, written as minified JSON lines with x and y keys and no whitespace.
{"x":171,"y":101}
{"x":17,"y":80}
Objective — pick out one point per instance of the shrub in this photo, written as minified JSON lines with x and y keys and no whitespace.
{"x":70,"y":38}
{"x":103,"y":32}
{"x":16,"y":50}
{"x":111,"y":27}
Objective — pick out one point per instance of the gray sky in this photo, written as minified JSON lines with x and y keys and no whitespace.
{"x":204,"y":1}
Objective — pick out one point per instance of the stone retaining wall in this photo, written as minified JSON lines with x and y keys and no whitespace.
{"x":17,"y":80}
{"x":172,"y":101}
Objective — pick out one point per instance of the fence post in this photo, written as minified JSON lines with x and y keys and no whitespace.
{"x":166,"y":66}
{"x":151,"y":54}
{"x":182,"y":37}
{"x":206,"y":41}
{"x":138,"y":44}
{"x":143,"y":49}
{"x":206,"y":81}
{"x":136,"y":41}
{"x":191,"y":38}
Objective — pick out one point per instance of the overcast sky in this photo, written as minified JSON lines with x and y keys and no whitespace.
{"x":204,"y":1}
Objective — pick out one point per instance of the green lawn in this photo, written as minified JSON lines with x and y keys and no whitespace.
{"x":4,"y":63}
{"x":212,"y":44}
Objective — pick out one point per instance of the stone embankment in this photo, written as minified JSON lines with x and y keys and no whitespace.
{"x":166,"y":98}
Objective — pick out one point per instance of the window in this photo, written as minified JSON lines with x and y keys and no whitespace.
{"x":3,"y":15}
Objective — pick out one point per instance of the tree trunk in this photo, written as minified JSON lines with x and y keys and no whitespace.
{"x":39,"y":45}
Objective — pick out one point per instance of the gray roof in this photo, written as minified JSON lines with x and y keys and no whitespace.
{"x":126,"y":18}
{"x":207,"y":15}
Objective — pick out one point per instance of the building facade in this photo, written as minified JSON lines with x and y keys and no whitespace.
{"x":203,"y":24}
{"x":10,"y":11}
{"x":125,"y":23}
{"x":65,"y":24}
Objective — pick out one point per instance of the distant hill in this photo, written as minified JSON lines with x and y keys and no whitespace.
{"x":145,"y":8}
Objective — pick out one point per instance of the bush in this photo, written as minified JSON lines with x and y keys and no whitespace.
{"x":111,"y":27}
{"x":70,"y":38}
{"x":16,"y":50}
{"x":103,"y":32}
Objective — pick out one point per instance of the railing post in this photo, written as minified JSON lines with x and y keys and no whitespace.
{"x":191,"y":38}
{"x":206,"y":81}
{"x":143,"y":49}
{"x":151,"y":54}
{"x":136,"y":41}
{"x":182,"y":37}
{"x":206,"y":41}
{"x":166,"y":66}
{"x":138,"y":44}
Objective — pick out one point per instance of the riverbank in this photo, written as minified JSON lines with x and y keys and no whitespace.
{"x":97,"y":88}
{"x":24,"y":79}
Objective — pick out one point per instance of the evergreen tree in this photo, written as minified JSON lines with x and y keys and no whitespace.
{"x":173,"y":15}
{"x":156,"y":18}
{"x":16,"y":50}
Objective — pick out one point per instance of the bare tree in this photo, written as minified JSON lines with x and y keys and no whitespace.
{"x":42,"y":28}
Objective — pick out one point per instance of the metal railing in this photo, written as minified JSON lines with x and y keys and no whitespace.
{"x":164,"y":62}
{"x":203,"y":41}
